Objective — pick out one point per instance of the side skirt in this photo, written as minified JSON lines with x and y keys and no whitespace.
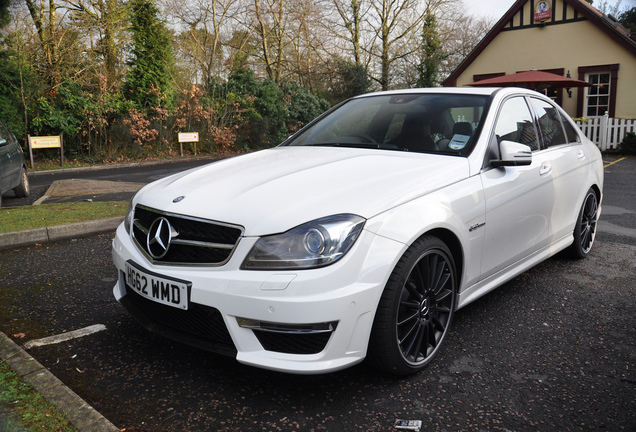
{"x":472,"y":293}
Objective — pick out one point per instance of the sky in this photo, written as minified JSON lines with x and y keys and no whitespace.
{"x":489,"y":8}
{"x":497,"y":8}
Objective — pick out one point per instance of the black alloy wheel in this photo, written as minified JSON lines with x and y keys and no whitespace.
{"x":585,"y":229}
{"x":416,"y":308}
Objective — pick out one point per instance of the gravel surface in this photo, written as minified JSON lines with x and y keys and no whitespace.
{"x":552,"y":350}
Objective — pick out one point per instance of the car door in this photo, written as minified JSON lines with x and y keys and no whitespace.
{"x":5,"y":159}
{"x":569,"y":165}
{"x":13,"y":159}
{"x":519,"y":199}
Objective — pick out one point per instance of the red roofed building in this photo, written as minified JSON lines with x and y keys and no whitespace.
{"x":562,"y":37}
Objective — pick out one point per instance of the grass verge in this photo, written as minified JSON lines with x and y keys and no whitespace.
{"x":28,"y":217}
{"x":27,"y":410}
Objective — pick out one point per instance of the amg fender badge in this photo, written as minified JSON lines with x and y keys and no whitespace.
{"x":476,"y":226}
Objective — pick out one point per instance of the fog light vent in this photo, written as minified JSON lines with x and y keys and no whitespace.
{"x":291,"y":338}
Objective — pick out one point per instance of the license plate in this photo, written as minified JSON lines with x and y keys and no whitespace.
{"x":161,"y":289}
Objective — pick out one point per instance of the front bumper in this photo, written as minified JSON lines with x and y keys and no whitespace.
{"x":308,"y":321}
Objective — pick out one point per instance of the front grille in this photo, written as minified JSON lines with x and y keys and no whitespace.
{"x":296,"y":343}
{"x":191,"y":241}
{"x":200,"y":325}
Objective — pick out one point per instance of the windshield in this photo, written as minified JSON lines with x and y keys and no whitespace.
{"x":429,"y":123}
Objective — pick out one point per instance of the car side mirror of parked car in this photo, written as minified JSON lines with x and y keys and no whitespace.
{"x":513,"y":154}
{"x":3,"y":142}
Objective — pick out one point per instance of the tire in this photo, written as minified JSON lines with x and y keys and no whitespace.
{"x":585,"y":229}
{"x":22,"y":190}
{"x":416,"y":309}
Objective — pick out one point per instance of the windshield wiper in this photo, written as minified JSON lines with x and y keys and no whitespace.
{"x":339,"y":144}
{"x":438,"y":152}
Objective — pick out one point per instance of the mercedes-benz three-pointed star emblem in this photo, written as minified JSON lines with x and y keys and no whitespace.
{"x":159,"y":237}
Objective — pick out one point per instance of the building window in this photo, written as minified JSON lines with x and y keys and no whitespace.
{"x":601,"y":96}
{"x":598,"y":96}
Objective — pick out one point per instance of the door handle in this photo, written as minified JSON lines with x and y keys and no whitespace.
{"x":545,"y":169}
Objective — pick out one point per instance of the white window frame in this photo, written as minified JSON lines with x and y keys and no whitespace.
{"x":592,"y":92}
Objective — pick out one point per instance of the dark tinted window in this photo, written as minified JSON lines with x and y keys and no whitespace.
{"x":515,"y":123}
{"x":549,"y":123}
{"x":570,"y":132}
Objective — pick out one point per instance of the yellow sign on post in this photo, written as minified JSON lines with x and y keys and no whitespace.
{"x":46,"y":142}
{"x":188,"y":137}
{"x":42,"y":142}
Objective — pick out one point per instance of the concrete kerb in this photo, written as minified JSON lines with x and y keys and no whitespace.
{"x":84,"y":417}
{"x":58,"y":232}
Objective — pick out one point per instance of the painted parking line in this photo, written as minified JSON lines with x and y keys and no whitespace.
{"x":608,"y":164}
{"x":65,"y":336}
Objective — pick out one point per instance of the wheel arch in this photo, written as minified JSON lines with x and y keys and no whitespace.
{"x":455,"y":246}
{"x":597,"y":191}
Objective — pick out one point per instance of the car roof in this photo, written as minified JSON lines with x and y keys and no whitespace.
{"x":484,"y":91}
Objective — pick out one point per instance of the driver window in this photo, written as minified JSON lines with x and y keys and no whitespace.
{"x":515,"y":123}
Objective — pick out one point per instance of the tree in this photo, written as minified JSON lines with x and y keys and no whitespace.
{"x":149,"y":79}
{"x":352,"y":13}
{"x":262,"y":101}
{"x":431,"y":54}
{"x":46,"y":26}
{"x":17,"y":84}
{"x":10,"y":80}
{"x":306,"y":42}
{"x":394,"y":24}
{"x":272,"y":111}
{"x":271,"y":28}
{"x":209,"y":26}
{"x":302,"y":106}
{"x":459,"y":35}
{"x":628,"y":19}
{"x":106,"y":20}
{"x":349,"y":80}
{"x":5,"y":15}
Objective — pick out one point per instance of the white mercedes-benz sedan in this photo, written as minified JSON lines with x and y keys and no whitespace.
{"x":363,"y":233}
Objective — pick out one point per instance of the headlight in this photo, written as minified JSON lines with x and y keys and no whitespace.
{"x":314,"y":244}
{"x":128,"y":217}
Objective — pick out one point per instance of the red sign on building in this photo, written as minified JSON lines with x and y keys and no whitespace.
{"x":543,"y":11}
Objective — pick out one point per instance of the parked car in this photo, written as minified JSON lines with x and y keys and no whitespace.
{"x":362,"y":234}
{"x":13,"y":170}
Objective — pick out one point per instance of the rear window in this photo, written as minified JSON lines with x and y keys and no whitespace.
{"x":549,"y":123}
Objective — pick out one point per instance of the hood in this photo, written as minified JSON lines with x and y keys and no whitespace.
{"x":274,"y":190}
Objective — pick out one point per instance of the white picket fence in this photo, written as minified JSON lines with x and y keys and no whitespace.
{"x":607,"y":133}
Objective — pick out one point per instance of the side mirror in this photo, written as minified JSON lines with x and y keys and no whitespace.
{"x":3,"y":142}
{"x":513,"y":154}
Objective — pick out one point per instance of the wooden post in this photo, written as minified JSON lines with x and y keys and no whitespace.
{"x":30,"y":149}
{"x":61,"y":150}
{"x":46,"y":142}
{"x":187,"y":137}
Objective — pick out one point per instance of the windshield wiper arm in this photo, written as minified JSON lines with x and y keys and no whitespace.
{"x":340,"y":144}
